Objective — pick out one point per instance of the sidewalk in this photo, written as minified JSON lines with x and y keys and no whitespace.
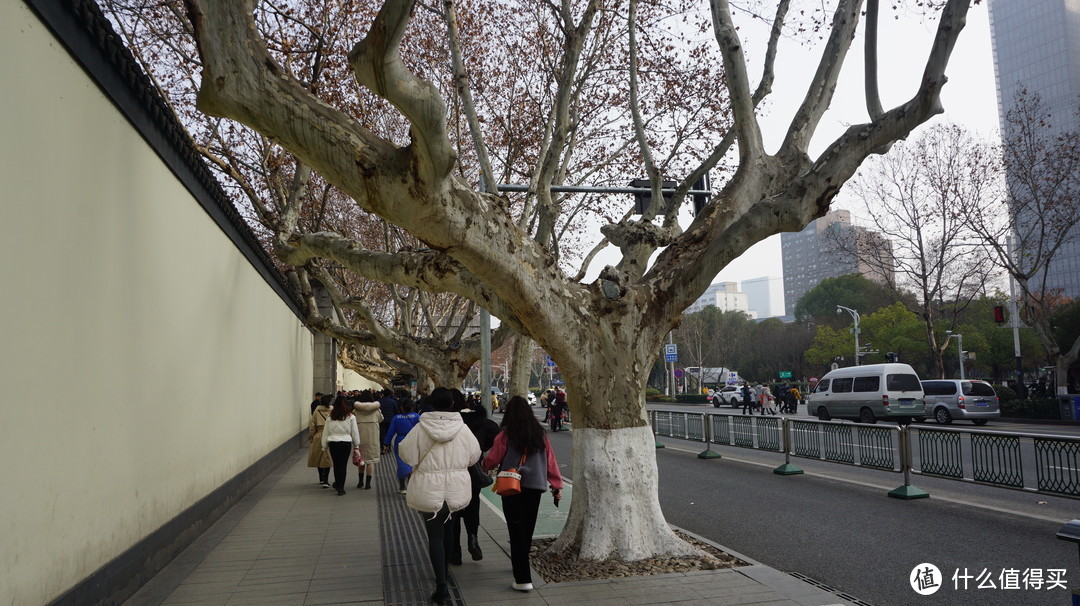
{"x":290,"y":542}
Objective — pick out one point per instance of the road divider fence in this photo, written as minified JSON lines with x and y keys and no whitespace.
{"x":978,"y":456}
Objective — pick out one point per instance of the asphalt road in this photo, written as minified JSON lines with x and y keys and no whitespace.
{"x":836,"y":525}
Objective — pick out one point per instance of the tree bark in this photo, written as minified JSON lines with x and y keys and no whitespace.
{"x":616,"y":508}
{"x":521,"y":369}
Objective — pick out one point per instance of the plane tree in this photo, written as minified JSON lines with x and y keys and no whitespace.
{"x":603,"y":333}
{"x":1028,"y":224}
{"x":913,"y":197}
{"x":383,"y":329}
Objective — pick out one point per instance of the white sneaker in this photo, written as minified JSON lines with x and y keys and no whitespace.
{"x":402,"y":491}
{"x":325,"y":485}
{"x":523,"y":586}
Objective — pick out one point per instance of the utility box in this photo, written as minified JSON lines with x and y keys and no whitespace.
{"x":1070,"y":407}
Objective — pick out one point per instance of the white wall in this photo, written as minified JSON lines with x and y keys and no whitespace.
{"x":350,"y":380}
{"x":143,"y":361}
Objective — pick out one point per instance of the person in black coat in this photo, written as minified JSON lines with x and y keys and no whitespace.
{"x":747,"y":401}
{"x":485,"y":430}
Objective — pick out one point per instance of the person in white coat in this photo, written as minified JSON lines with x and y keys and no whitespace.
{"x":440,"y":450}
{"x":340,"y":436}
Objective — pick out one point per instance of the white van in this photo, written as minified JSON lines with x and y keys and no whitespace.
{"x":868,"y":393}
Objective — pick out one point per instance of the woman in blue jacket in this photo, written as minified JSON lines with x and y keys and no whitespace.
{"x":400,"y":426}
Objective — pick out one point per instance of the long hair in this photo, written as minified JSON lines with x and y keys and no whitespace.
{"x":441,"y":399}
{"x":342,"y":409}
{"x":523,"y":431}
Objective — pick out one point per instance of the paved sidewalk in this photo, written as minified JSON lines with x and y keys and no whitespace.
{"x":290,"y":542}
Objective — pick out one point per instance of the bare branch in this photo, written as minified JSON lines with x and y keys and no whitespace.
{"x":804,"y":124}
{"x":746,"y":126}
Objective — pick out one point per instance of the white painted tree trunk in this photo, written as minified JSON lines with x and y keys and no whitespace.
{"x":615,"y":511}
{"x":616,"y":506}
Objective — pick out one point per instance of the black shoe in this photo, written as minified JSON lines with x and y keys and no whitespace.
{"x":340,"y":491}
{"x":474,"y":548}
{"x":441,"y":595}
{"x":367,"y":483}
{"x":360,"y":484}
{"x":455,"y":556}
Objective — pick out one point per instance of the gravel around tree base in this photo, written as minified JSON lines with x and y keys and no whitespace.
{"x":566,"y":567}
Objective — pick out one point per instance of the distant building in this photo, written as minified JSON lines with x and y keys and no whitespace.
{"x":1037,"y":48}
{"x":811,"y":255}
{"x":725,"y":296}
{"x":764,"y":296}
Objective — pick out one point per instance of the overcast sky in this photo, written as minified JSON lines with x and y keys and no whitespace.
{"x":969,"y":99}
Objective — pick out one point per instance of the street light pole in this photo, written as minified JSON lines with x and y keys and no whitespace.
{"x":1014,"y":321}
{"x":959,"y":349}
{"x":855,"y":331}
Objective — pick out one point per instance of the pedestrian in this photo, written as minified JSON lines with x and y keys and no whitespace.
{"x":400,"y":426}
{"x":484,"y":430}
{"x":522,"y":436}
{"x":768,"y":402}
{"x":557,"y":410}
{"x":318,"y":400}
{"x":339,"y":437}
{"x":368,"y":413}
{"x":796,"y":399}
{"x":440,"y":450}
{"x":388,"y":406}
{"x":747,"y":403}
{"x":317,"y":457}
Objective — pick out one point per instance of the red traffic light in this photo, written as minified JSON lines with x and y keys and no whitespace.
{"x":999,"y":314}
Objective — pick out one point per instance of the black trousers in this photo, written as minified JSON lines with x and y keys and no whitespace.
{"x":340,"y":452}
{"x":470,"y":515}
{"x":520,"y":511}
{"x":440,"y":537}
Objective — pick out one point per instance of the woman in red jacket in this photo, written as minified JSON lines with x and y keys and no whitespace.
{"x":522,"y":435}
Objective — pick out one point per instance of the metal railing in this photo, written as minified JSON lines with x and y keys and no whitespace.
{"x":993,"y":458}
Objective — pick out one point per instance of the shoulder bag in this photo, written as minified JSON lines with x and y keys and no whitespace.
{"x":480,"y":478}
{"x":508,"y":481}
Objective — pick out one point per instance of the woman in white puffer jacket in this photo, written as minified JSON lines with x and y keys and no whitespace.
{"x":440,"y":449}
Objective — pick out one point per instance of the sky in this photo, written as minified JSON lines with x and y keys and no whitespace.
{"x":969,"y":97}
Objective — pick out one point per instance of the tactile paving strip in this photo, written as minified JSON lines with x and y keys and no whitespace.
{"x":407,"y":577}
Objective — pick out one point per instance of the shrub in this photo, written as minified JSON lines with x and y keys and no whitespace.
{"x":651,"y":392}
{"x":1005,"y":393}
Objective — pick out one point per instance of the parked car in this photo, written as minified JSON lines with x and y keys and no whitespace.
{"x":948,"y":399}
{"x":868,"y":393}
{"x":729,"y":395}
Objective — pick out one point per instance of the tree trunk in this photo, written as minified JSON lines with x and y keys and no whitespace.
{"x":616,"y":507}
{"x":521,"y":369}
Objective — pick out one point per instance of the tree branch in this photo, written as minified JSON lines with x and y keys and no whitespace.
{"x":377,"y":63}
{"x":817,"y":100}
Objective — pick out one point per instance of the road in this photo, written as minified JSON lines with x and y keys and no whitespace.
{"x":835,"y":524}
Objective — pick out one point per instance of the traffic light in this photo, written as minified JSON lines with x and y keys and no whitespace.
{"x":999,"y":314}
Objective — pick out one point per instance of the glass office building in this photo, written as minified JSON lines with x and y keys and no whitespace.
{"x":1037,"y":47}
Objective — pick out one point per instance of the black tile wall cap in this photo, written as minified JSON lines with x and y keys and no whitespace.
{"x":90,"y":39}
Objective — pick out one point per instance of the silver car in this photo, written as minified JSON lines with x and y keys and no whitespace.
{"x":949,"y":399}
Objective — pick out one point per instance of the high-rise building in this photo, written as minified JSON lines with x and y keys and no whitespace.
{"x":725,"y":296}
{"x":763,"y":296}
{"x":813,"y":254}
{"x":1037,"y":49}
